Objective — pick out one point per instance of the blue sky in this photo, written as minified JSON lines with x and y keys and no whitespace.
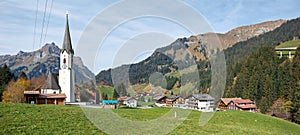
{"x":148,"y":32}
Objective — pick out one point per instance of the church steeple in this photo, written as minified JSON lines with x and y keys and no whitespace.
{"x":66,"y":70}
{"x":67,"y":45}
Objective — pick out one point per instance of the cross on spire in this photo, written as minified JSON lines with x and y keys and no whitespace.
{"x":67,"y":45}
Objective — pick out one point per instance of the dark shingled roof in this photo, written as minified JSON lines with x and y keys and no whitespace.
{"x":67,"y":45}
{"x":159,"y":97}
{"x":52,"y":82}
{"x":203,"y":97}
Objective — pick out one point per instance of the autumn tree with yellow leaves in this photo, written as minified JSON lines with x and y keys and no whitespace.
{"x":14,"y":91}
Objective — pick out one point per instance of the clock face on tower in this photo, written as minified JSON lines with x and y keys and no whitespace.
{"x":64,"y":66}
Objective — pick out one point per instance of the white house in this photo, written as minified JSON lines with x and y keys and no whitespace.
{"x":201,"y":102}
{"x":128,"y":101}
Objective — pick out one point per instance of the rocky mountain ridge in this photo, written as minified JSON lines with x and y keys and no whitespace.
{"x":185,"y":52}
{"x":43,"y":61}
{"x":239,"y":34}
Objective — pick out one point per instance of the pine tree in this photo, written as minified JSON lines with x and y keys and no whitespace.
{"x":23,"y":75}
{"x":5,"y":78}
{"x":121,"y":89}
{"x":116,"y":94}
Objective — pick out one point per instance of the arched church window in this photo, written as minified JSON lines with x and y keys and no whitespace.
{"x":65,"y":60}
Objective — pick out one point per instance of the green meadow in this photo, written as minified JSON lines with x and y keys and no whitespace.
{"x":57,"y":119}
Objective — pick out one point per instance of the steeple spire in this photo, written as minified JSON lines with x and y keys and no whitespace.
{"x":67,"y":45}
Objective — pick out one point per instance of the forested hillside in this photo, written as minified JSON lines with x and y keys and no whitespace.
{"x":254,"y":71}
{"x":265,"y":78}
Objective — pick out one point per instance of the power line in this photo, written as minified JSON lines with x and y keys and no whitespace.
{"x":48,"y":21}
{"x":45,"y":9}
{"x":34,"y":31}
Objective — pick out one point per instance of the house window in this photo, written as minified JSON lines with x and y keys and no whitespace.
{"x":202,"y":108}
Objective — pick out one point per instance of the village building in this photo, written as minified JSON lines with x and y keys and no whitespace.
{"x":224,"y":102}
{"x":171,"y":100}
{"x":242,"y":105}
{"x":175,"y":101}
{"x":237,"y":104}
{"x":160,"y":101}
{"x":201,"y":102}
{"x":128,"y":101}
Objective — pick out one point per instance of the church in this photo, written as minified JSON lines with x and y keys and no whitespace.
{"x":57,"y":89}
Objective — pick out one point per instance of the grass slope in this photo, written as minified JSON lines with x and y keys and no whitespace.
{"x":291,"y":43}
{"x":52,"y":119}
{"x":108,"y":90}
{"x":44,"y":119}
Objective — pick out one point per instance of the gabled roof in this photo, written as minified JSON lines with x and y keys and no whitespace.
{"x":203,"y":97}
{"x":227,"y":100}
{"x":52,"y":82}
{"x":243,"y":101}
{"x":251,"y":106}
{"x":67,"y":44}
{"x":172,"y":98}
{"x":125,"y":98}
{"x":159,"y":98}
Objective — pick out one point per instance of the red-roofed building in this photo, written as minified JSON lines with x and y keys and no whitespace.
{"x":35,"y":97}
{"x":223,"y":103}
{"x":237,"y":104}
{"x":242,"y":104}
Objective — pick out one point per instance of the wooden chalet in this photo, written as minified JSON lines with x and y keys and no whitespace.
{"x":174,"y":100}
{"x":243,"y":105}
{"x":160,"y":101}
{"x":237,"y":104}
{"x":224,"y":102}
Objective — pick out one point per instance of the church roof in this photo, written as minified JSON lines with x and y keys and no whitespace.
{"x":52,"y":82}
{"x":52,"y":95}
{"x":67,"y":45}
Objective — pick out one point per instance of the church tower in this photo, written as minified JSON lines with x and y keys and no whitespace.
{"x":66,"y":69}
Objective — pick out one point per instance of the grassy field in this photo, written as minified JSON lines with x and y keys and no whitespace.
{"x":44,"y":119}
{"x":52,"y":119}
{"x":292,"y":43}
{"x":109,"y":91}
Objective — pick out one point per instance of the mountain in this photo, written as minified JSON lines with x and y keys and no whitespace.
{"x":231,"y":37}
{"x":183,"y":53}
{"x":244,"y":33}
{"x":42,"y":61}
